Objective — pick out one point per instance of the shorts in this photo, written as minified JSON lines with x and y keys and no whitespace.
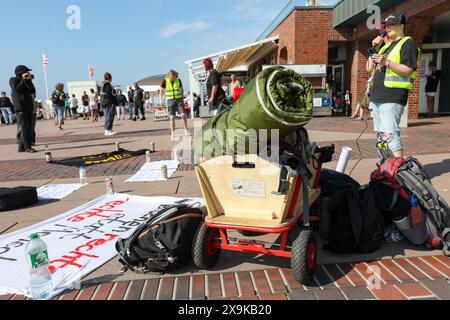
{"x":59,"y":112}
{"x":176,"y":105}
{"x":431,"y":94}
{"x":386,"y":119}
{"x":86,"y":109}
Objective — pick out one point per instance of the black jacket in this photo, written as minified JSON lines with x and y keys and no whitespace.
{"x":5,"y":103}
{"x":22,"y":91}
{"x":108,"y":96}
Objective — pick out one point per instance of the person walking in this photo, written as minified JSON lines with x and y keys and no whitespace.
{"x":214,"y":88}
{"x":121,"y":104}
{"x":108,"y":97}
{"x":23,"y":91}
{"x":6,"y":107}
{"x":138,"y":102}
{"x":173,"y":88}
{"x":93,"y":105}
{"x":86,"y":109}
{"x":394,"y":68}
{"x":59,"y":98}
{"x":73,"y":106}
{"x":130,"y":96}
{"x":432,"y":86}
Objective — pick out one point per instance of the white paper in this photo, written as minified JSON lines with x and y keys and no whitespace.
{"x":151,"y":171}
{"x":57,"y":191}
{"x":317,"y":102}
{"x":79,"y":241}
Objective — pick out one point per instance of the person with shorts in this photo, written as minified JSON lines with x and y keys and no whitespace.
{"x":86,"y":109}
{"x":93,"y":105}
{"x":394,"y":66}
{"x":173,"y":88}
{"x":59,"y":98}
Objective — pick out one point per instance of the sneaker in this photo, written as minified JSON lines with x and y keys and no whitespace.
{"x":143,"y":119}
{"x":30,"y":150}
{"x":20,"y":150}
{"x":113,"y":133}
{"x":108,"y":133}
{"x":134,"y":119}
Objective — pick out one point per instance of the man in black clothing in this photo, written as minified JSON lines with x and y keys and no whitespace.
{"x":216,"y":94}
{"x":23,"y":92}
{"x":7,"y":109}
{"x":138,"y":102}
{"x":394,"y":70}
{"x":432,"y":87}
{"x":108,"y":102}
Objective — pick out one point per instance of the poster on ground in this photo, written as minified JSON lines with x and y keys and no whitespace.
{"x":78,"y":241}
{"x":107,"y":157}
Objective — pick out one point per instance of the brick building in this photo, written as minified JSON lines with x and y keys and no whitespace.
{"x":338,"y":37}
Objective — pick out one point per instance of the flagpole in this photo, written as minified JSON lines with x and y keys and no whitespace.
{"x":46,"y":78}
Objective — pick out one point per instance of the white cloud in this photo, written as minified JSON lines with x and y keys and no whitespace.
{"x":173,"y":29}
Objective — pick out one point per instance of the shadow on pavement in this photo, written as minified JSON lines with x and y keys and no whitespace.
{"x":421,"y":124}
{"x":438,"y":169}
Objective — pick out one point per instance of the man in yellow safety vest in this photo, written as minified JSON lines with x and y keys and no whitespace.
{"x":173,"y":88}
{"x":394,"y":67}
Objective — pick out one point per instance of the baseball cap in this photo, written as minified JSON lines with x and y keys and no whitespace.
{"x":395,"y":18}
{"x":22,"y":69}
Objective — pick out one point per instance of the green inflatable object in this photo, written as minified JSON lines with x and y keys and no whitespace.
{"x":277,"y":99}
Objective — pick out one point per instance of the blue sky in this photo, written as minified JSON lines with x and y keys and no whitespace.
{"x":130,"y":39}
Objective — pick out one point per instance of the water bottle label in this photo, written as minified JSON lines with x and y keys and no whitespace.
{"x":39,"y":259}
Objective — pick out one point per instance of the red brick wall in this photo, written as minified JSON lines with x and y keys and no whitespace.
{"x":358,"y":61}
{"x":304,"y":37}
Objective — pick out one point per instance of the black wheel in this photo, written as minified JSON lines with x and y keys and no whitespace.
{"x":204,"y":254}
{"x":304,"y":257}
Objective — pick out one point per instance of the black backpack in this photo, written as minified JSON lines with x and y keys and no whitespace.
{"x":163,"y":243}
{"x":356,"y":225}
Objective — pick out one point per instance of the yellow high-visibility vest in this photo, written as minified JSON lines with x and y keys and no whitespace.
{"x":394,"y":80}
{"x":173,"y":90}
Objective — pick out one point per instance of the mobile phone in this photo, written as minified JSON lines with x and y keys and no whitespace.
{"x":371,"y":51}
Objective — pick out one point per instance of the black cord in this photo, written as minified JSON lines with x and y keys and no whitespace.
{"x":358,"y":146}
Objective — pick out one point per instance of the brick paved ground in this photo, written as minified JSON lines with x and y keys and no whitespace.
{"x":425,"y":278}
{"x":421,"y":138}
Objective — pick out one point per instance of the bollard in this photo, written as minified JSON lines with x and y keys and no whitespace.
{"x":117,"y":146}
{"x":165,"y":172}
{"x":109,"y":185}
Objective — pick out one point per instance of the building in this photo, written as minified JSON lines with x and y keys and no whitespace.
{"x":338,"y":37}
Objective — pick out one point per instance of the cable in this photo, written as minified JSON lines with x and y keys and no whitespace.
{"x":359,"y":148}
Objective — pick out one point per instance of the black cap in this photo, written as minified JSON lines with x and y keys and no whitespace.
{"x":395,"y":18}
{"x":22,"y":69}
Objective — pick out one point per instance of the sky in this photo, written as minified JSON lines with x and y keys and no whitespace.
{"x":131,"y":39}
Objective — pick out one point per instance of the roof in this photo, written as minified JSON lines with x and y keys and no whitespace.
{"x":286,"y":12}
{"x":354,"y":12}
{"x":236,"y":58}
{"x":155,"y":80}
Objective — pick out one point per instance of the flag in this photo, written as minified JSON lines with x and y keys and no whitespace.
{"x":44,"y":59}
{"x":91,"y":71}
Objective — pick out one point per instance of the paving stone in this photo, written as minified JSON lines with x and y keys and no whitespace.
{"x":261,"y":285}
{"x":198,"y":287}
{"x":182,"y":288}
{"x":135,"y":290}
{"x":275,"y":296}
{"x":301,"y":295}
{"x":245,"y":284}
{"x":119,"y":290}
{"x":440,"y":288}
{"x":150,"y":289}
{"x":413,"y":290}
{"x":214,"y":286}
{"x":86,"y":294}
{"x":329,"y":294}
{"x":166,"y":289}
{"x":276,"y":280}
{"x":229,"y":285}
{"x":103,"y":291}
{"x":357,"y":293}
{"x":388,"y":292}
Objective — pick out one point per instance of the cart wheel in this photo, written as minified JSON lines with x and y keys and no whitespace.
{"x":204,"y":254}
{"x":304,"y":257}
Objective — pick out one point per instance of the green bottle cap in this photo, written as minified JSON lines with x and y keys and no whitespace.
{"x":34,"y":236}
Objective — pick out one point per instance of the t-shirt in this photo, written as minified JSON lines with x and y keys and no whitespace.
{"x":214,"y":79}
{"x":381,"y":94}
{"x":433,"y":81}
{"x":73,"y":103}
{"x":85,"y":100}
{"x":233,"y":86}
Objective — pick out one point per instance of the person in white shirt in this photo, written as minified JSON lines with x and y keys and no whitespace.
{"x":73,"y":105}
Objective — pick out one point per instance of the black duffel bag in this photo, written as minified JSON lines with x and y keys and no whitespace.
{"x":163,"y":243}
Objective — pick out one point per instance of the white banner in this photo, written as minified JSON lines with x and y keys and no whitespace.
{"x":151,"y":171}
{"x":79,"y":241}
{"x":57,"y":191}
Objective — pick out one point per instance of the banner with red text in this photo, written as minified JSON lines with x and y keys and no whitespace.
{"x":79,"y":241}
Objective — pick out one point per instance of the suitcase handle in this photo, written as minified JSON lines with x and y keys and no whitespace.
{"x":244,"y":165}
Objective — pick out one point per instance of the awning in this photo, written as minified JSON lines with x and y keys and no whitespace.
{"x":239,"y":57}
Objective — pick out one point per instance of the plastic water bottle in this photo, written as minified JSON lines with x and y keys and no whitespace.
{"x":40,"y":276}
{"x":416,"y":215}
{"x":83,"y":175}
